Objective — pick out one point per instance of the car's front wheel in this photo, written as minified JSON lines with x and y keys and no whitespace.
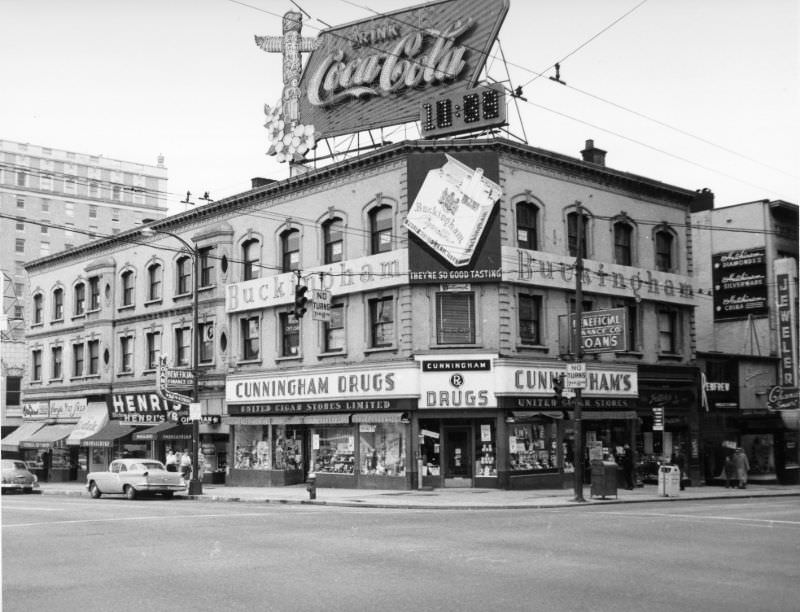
{"x":94,"y":491}
{"x":130,"y":492}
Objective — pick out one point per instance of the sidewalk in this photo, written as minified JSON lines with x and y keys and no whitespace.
{"x":468,"y":499}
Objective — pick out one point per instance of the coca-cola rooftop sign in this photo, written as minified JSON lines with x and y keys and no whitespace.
{"x":377,"y":72}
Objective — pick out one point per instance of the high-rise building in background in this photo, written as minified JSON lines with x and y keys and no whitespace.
{"x":52,"y":200}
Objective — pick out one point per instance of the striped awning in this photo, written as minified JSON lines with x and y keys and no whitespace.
{"x":49,"y":436}
{"x":10,"y":444}
{"x":527,"y":415}
{"x":112,"y":431}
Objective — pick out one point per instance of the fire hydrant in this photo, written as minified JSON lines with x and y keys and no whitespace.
{"x":311,"y":485}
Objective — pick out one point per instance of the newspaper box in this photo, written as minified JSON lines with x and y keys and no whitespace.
{"x":604,"y":478}
{"x":669,"y":480}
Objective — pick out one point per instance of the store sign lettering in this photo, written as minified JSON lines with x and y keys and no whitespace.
{"x":610,"y":382}
{"x":456,"y":399}
{"x":307,"y":407}
{"x":140,"y":403}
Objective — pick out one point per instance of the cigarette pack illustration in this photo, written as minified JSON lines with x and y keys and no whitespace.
{"x":452,"y":209}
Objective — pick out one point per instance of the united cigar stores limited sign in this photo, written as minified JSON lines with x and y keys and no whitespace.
{"x":377,"y":72}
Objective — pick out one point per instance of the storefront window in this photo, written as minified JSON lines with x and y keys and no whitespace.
{"x":485,"y":453}
{"x":382,"y":449}
{"x":288,"y":445}
{"x":333,"y":450}
{"x":252,"y":448}
{"x":533,"y":446}
{"x":430,"y":448}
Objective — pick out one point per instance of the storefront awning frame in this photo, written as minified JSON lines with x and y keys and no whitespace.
{"x":113,"y":430}
{"x":49,"y":436}
{"x":10,"y":444}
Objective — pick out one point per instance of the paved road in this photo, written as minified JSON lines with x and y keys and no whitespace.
{"x":71,"y":553}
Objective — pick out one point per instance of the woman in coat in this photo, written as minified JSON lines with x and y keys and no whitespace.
{"x":742,"y":466}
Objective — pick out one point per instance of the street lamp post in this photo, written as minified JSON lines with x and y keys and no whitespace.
{"x":195,"y":483}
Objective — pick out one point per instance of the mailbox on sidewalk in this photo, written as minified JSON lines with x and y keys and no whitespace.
{"x":604,"y":478}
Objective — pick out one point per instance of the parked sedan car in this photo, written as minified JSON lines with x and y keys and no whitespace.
{"x":17,"y":477}
{"x":131,"y":477}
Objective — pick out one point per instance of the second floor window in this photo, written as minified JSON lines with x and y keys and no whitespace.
{"x":184,"y":270}
{"x":58,"y":305}
{"x":333,"y":231}
{"x":55,"y":360}
{"x":127,"y":288}
{"x":334,"y":329}
{"x":36,"y":365}
{"x":94,"y":293}
{"x":380,"y":229}
{"x":183,"y":346}
{"x":251,"y":339}
{"x":664,"y":251}
{"x":153,"y":340}
{"x":455,"y":317}
{"x":290,"y":335}
{"x":38,"y":309}
{"x":667,"y":331}
{"x":207,"y":277}
{"x":529,"y":318}
{"x":154,"y":282}
{"x":93,"y":347}
{"x":80,"y":299}
{"x":381,"y":322}
{"x":206,"y":342}
{"x":290,"y":250}
{"x":77,"y":360}
{"x":126,"y":354}
{"x":623,"y":234}
{"x":251,"y":255}
{"x":526,"y":225}
{"x":572,"y":234}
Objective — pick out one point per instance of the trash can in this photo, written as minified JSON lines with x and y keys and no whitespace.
{"x":669,"y":480}
{"x":604,"y":478}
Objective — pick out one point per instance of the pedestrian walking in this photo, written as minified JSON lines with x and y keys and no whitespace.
{"x":186,"y":465}
{"x":742,"y":466}
{"x":172,"y":461}
{"x":627,"y":466}
{"x":729,"y":471}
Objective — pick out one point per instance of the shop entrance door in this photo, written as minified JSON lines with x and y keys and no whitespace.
{"x":458,"y":457}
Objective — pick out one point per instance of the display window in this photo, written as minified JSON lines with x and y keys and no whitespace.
{"x":430,"y":448}
{"x":255,"y":449}
{"x":533,"y":446}
{"x":382,"y":449}
{"x":333,"y":450}
{"x":486,"y":451}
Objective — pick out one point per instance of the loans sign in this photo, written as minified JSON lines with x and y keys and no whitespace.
{"x":377,"y":72}
{"x":603,"y":331}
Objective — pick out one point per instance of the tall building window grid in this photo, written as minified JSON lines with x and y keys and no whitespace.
{"x":381,"y":322}
{"x":80,"y":299}
{"x":126,"y":354}
{"x":184,"y":269}
{"x":154,"y":282}
{"x":623,"y":243}
{"x":153,"y":341}
{"x":21,"y":203}
{"x":334,"y":329}
{"x":251,"y":338}
{"x":251,"y":259}
{"x":56,"y":357}
{"x":380,"y":229}
{"x":58,"y":304}
{"x":290,"y":335}
{"x":530,"y":311}
{"x":290,"y":250}
{"x":207,"y":276}
{"x":183,"y":346}
{"x":19,"y":245}
{"x":127,"y":288}
{"x":77,"y":360}
{"x":527,"y":218}
{"x":333,"y":236}
{"x":455,"y":317}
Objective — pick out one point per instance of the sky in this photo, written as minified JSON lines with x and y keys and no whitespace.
{"x":693,"y":93}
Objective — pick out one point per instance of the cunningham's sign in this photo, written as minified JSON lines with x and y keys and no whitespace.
{"x":376,"y":72}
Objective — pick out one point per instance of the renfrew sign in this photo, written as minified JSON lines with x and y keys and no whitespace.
{"x":377,"y":72}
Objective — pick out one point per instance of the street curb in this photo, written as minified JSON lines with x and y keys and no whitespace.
{"x":382,"y":506}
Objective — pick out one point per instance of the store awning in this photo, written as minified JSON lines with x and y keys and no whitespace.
{"x":49,"y":436}
{"x":10,"y":444}
{"x":113,"y":430}
{"x":93,"y":420}
{"x":605,"y":415}
{"x":528,"y":415}
{"x":165,"y":431}
{"x":378,"y":417}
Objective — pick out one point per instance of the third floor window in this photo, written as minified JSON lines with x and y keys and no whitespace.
{"x":207,"y":277}
{"x":527,"y":215}
{"x":333,"y":231}
{"x":154,"y":282}
{"x":184,"y":270}
{"x":80,"y":299}
{"x":623,"y":234}
{"x":251,"y":251}
{"x":290,"y":250}
{"x":380,"y":229}
{"x":127,"y":288}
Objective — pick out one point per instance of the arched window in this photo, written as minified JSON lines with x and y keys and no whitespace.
{"x":572,"y":234}
{"x":251,"y":257}
{"x":127,"y":288}
{"x":79,"y":293}
{"x":664,"y":249}
{"x":380,"y":229}
{"x":58,"y":304}
{"x":527,"y":219}
{"x":290,"y":250}
{"x":183,"y":269}
{"x":333,"y":235}
{"x":623,"y":247}
{"x":38,"y":309}
{"x":154,"y":278}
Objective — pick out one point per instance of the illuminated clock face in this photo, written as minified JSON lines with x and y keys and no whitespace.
{"x":479,"y":109}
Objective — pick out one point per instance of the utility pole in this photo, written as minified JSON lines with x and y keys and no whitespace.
{"x":577,"y":344}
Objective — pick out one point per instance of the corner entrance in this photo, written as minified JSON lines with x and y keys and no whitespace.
{"x":458,"y":457}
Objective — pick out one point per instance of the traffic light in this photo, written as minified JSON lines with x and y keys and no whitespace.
{"x":558,"y":386}
{"x":300,"y":301}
